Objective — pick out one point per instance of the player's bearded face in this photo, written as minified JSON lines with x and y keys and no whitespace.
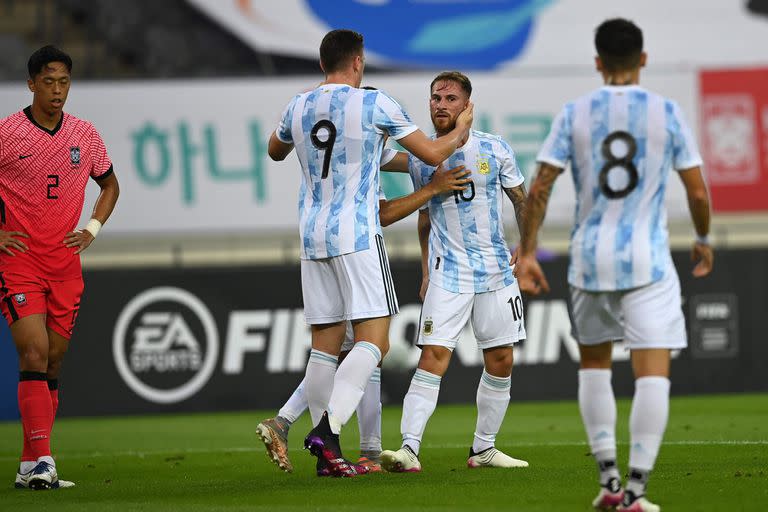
{"x":446,"y":102}
{"x":51,"y":87}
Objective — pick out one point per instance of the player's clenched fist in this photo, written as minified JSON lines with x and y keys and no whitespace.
{"x":8,"y":241}
{"x":81,"y":239}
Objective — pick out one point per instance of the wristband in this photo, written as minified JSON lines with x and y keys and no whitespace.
{"x":93,"y":227}
{"x":702,"y":240}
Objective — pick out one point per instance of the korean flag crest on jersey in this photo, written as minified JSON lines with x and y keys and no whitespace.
{"x":20,"y":299}
{"x":74,"y":155}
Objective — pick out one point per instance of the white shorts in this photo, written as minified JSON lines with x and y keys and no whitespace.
{"x":349,"y":339}
{"x":497,"y":317}
{"x":647,"y":317}
{"x":348,"y":287}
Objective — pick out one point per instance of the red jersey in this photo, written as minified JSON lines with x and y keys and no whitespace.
{"x":43,"y":175}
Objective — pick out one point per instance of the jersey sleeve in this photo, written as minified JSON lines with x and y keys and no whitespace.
{"x":558,"y":146}
{"x":283,"y":131}
{"x":382,"y":195}
{"x":387,"y":156}
{"x":685,"y":151}
{"x":390,"y":117}
{"x":101,"y":165}
{"x":416,"y":170}
{"x":509,"y":172}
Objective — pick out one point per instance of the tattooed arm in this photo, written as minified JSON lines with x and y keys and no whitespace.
{"x":517,"y":195}
{"x":536,"y":205}
{"x":529,"y":273}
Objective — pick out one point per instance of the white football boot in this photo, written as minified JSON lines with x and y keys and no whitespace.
{"x":403,"y":460}
{"x":493,"y":458}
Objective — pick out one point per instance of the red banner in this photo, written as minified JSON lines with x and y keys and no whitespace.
{"x":734,"y":135}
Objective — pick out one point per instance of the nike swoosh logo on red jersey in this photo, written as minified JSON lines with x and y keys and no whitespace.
{"x":22,"y":157}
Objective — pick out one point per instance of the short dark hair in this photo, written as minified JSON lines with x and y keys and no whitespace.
{"x":619,"y":43}
{"x":453,"y":76}
{"x":338,"y":47}
{"x":45,"y":56}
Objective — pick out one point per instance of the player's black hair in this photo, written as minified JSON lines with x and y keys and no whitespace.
{"x":453,"y":76}
{"x":338,"y":47}
{"x":619,"y":43}
{"x":44,"y":56}
{"x":369,"y":88}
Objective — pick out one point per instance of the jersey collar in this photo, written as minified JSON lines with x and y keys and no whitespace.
{"x":629,"y":87}
{"x":28,"y":113}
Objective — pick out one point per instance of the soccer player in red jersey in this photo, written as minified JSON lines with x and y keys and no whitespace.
{"x":46,"y":158}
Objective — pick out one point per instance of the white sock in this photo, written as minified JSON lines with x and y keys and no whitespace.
{"x":296,"y":404}
{"x":418,"y":406}
{"x":598,"y":412}
{"x":26,"y":466}
{"x":648,"y":420}
{"x":369,"y":414}
{"x":350,"y":382}
{"x":318,"y":382}
{"x":48,"y":459}
{"x":492,"y":402}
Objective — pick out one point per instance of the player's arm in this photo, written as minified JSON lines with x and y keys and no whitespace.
{"x":518,"y":196}
{"x":8,"y":239}
{"x":443,"y":180}
{"x":278,"y":150}
{"x":424,"y":225}
{"x":698,"y":204}
{"x":532,"y":279}
{"x":105,"y":204}
{"x":536,"y":206}
{"x":433,"y":152}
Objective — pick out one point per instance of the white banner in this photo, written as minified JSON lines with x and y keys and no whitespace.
{"x":191,"y":156}
{"x":510,"y":36}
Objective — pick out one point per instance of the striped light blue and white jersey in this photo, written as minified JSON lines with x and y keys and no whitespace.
{"x":467,"y":250}
{"x":621,"y":142}
{"x":338,"y":132}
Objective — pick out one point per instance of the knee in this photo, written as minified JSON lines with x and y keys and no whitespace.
{"x":499,"y":364}
{"x":596,"y":357}
{"x":54,"y":368}
{"x":434,"y":359}
{"x":33,"y":359}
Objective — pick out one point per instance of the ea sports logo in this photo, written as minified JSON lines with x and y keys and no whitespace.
{"x":165,"y":344}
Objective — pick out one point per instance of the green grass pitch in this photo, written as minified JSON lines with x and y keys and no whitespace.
{"x":715,"y":459}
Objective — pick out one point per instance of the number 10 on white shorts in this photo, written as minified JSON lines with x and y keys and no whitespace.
{"x":497,"y":317}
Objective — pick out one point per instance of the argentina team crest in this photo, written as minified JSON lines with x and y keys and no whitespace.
{"x":483,"y":166}
{"x":74,"y":155}
{"x":428,"y":327}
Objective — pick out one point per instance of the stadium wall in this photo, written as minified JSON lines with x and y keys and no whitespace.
{"x":172,"y":340}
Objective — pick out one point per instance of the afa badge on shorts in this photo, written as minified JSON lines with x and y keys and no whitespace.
{"x":74,"y":155}
{"x":428,"y":327}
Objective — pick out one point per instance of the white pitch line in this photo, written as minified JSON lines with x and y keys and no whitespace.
{"x":258,"y":448}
